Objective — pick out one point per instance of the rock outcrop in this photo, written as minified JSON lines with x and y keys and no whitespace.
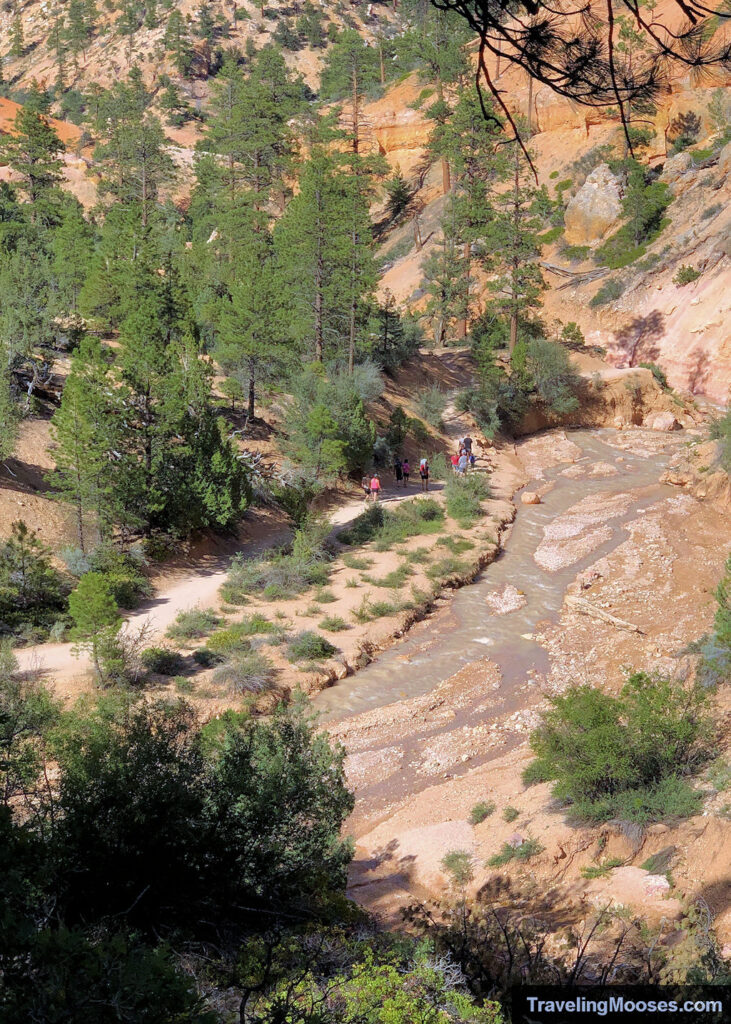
{"x":595,"y":208}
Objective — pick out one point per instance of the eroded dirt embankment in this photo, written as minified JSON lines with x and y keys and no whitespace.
{"x":618,"y":573}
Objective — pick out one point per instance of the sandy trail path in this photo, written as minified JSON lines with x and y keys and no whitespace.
{"x":197,"y":588}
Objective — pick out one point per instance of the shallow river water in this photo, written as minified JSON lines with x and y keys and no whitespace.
{"x":420,"y":662}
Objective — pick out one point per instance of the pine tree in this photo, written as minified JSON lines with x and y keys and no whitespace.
{"x":77,"y":30}
{"x":350,"y":70}
{"x":27,"y":576}
{"x":512,"y":249}
{"x":96,"y":619}
{"x":177,"y":42}
{"x":447,"y":279}
{"x":33,"y":153}
{"x":73,"y":244}
{"x":86,"y":435}
{"x":17,"y":39}
{"x":133,"y":154}
{"x":311,"y":240}
{"x":474,"y":148}
{"x":8,"y":412}
{"x":247,"y":345}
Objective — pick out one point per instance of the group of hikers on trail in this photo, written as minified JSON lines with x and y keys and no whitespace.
{"x":462,"y":460}
{"x":402,"y":471}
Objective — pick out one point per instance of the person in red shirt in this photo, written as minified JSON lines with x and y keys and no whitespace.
{"x":375,"y":486}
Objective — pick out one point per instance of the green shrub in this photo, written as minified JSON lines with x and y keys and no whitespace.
{"x":553,"y":374}
{"x":686,"y":275}
{"x":658,"y":373}
{"x":309,"y":646}
{"x":464,"y":495}
{"x":575,"y":253}
{"x":458,"y":865}
{"x":457,"y":545}
{"x":123,"y":572}
{"x":324,"y":596}
{"x":353,"y":562}
{"x":721,"y":431}
{"x":528,"y":848}
{"x":423,"y":515}
{"x":601,"y":870}
{"x":446,"y":568}
{"x":711,"y":211}
{"x":393,"y":580}
{"x":206,"y":658}
{"x":481,"y":811}
{"x":193,"y":624}
{"x":625,"y":756}
{"x":510,"y":813}
{"x":285,"y":573}
{"x":247,"y":672}
{"x":608,"y":292}
{"x":162,"y":661}
{"x":430,"y":404}
{"x":365,"y":527}
{"x":333,"y":624}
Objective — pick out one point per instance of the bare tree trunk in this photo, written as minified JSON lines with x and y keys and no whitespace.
{"x":252,"y":389}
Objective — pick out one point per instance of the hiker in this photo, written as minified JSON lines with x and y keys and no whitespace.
{"x":424,"y":474}
{"x":454,"y":460}
{"x":467,"y":444}
{"x":375,"y":486}
{"x":398,"y":471}
{"x":462,"y":464}
{"x":406,"y":470}
{"x":366,"y":485}
{"x":473,"y":460}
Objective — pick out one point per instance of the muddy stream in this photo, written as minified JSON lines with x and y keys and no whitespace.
{"x":471,"y":631}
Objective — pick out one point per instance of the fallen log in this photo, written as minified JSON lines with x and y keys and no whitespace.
{"x":585,"y":607}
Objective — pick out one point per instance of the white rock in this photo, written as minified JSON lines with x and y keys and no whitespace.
{"x":595,"y":208}
{"x":530,"y":498}
{"x":664,"y":421}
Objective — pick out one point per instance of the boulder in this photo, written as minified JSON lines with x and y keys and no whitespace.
{"x":664,"y":421}
{"x":530,"y":498}
{"x":675,"y":167}
{"x":595,"y":208}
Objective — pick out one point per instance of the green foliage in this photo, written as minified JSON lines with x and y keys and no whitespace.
{"x":458,"y":865}
{"x":430,"y":404}
{"x":246,"y":672}
{"x":575,"y":253}
{"x":333,"y":624}
{"x":283,"y":573}
{"x":481,"y":811}
{"x":554,"y":376}
{"x":608,"y":292}
{"x":658,"y":373}
{"x":32,"y":592}
{"x":309,"y":646}
{"x":193,"y":623}
{"x":721,"y":431}
{"x":96,"y":621}
{"x":625,"y":756}
{"x":644,"y":204}
{"x":524,"y":851}
{"x":464,"y":495}
{"x":162,"y":661}
{"x":686,"y":275}
{"x":423,"y":515}
{"x":510,"y":813}
{"x":591,"y":871}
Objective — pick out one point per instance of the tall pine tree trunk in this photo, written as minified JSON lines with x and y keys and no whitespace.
{"x":252,"y":388}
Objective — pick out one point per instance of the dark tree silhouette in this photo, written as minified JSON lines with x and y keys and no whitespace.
{"x":570,"y":46}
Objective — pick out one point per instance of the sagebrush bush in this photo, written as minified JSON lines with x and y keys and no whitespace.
{"x":193,"y":624}
{"x":430,"y":404}
{"x":686,"y":275}
{"x":658,"y":373}
{"x":246,"y":672}
{"x":527,"y":849}
{"x":333,"y":624}
{"x":309,"y":646}
{"x":626,"y":756}
{"x":386,"y":528}
{"x":285,"y":573}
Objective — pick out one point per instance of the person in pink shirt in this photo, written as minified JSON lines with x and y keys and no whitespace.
{"x":375,"y":486}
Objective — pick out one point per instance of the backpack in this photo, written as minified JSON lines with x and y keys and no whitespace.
{"x":423,"y":466}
